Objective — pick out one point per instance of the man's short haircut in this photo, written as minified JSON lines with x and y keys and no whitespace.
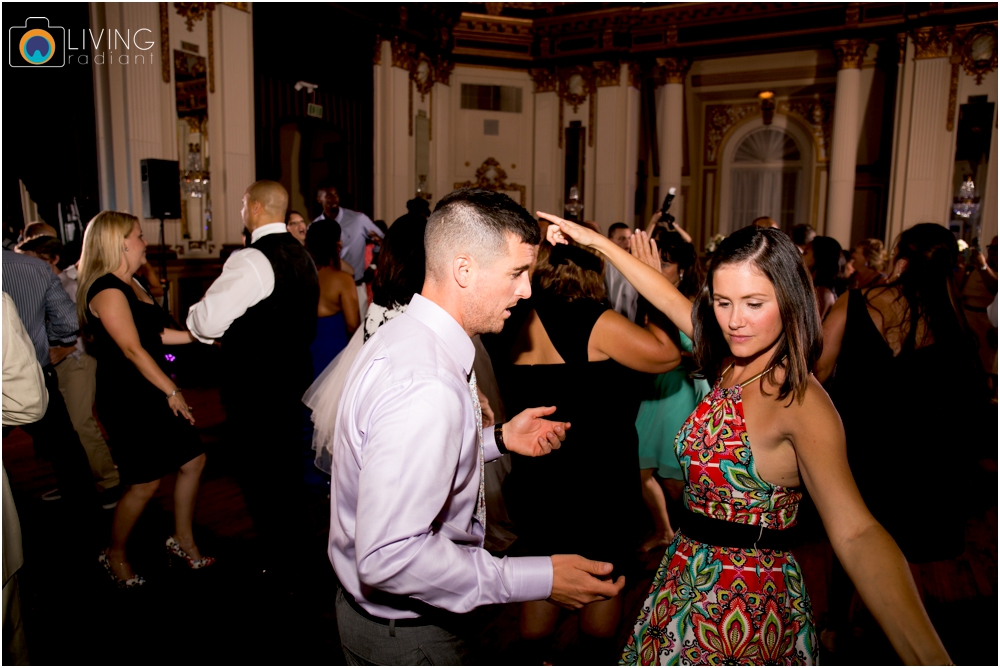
{"x":328,"y":183}
{"x":615,"y":227}
{"x":765,"y":221}
{"x":802,"y":234}
{"x":45,"y":247}
{"x":271,"y":195}
{"x":39,"y":229}
{"x":477,"y":222}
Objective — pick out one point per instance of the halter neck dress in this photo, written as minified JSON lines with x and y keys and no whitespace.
{"x":721,"y":605}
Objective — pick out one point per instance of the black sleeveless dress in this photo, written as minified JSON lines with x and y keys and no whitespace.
{"x":148,"y":441}
{"x":903,"y":414}
{"x":586,"y":497}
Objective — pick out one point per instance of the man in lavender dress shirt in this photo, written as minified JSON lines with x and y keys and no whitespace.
{"x":407,"y":517}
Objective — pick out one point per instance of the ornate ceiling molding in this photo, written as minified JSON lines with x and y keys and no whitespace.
{"x":931,"y":42}
{"x":491,"y":176}
{"x":557,"y":35}
{"x":850,"y":53}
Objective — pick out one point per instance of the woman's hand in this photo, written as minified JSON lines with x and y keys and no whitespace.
{"x":180,"y":407}
{"x":644,"y":249}
{"x":561,"y":230}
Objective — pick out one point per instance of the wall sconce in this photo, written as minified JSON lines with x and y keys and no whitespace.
{"x":767,"y":105}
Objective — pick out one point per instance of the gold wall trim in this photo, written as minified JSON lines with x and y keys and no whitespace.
{"x":210,"y":25}
{"x":546,"y":80}
{"x":193,"y":12}
{"x":607,"y":73}
{"x":813,"y":113}
{"x":930,"y":43}
{"x":491,"y":176}
{"x":671,"y":70}
{"x":165,"y":42}
{"x":850,"y":53}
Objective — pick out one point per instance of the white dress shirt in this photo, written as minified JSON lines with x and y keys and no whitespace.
{"x":406,"y":477}
{"x":354,"y":229}
{"x":247,"y":279}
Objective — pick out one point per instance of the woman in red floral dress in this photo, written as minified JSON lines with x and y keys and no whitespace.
{"x":728,"y":591}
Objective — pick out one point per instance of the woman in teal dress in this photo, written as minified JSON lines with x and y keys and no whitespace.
{"x":673,"y":395}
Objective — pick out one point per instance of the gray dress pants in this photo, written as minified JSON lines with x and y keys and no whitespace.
{"x":370,"y":643}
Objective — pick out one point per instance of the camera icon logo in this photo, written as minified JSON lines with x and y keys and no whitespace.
{"x":38,"y":44}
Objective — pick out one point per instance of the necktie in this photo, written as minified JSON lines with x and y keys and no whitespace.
{"x":480,"y":514}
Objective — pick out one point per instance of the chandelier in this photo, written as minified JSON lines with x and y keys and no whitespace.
{"x":194,"y":181}
{"x":966,"y":203}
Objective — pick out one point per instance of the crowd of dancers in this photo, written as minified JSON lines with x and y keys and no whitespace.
{"x":477,"y":377}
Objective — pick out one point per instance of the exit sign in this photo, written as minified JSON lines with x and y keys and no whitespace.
{"x":315,"y":110}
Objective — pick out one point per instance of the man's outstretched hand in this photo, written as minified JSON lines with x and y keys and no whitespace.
{"x":529,"y":434}
{"x":577,"y":581}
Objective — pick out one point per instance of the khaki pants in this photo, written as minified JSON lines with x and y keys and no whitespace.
{"x":78,"y":385}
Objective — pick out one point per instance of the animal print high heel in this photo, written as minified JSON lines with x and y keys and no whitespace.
{"x":131,"y":583}
{"x":175,"y":550}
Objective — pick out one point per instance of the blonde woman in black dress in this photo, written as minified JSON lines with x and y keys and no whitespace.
{"x":147,"y":419}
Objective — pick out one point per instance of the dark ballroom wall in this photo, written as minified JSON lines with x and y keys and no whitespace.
{"x":333,"y":47}
{"x":50,"y":135}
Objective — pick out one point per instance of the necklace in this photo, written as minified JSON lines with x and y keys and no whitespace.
{"x":754,"y":378}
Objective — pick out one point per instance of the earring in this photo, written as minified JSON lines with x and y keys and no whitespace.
{"x":681,"y":275}
{"x":126,"y":249}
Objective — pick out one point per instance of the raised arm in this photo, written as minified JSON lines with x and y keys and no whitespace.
{"x":648,"y":349}
{"x":650,"y":283}
{"x":868,"y":553}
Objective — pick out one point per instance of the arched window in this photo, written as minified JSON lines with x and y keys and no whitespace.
{"x":766,"y":179}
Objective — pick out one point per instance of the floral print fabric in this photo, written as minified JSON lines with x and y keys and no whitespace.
{"x":712,"y":605}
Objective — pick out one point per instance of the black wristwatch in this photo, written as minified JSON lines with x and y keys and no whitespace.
{"x":498,"y":435}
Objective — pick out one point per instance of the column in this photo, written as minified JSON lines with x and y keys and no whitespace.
{"x":670,"y":124}
{"x":236,"y":88}
{"x":611,"y":144}
{"x":844,"y":152}
{"x":930,"y":160}
{"x":900,"y":138}
{"x":549,"y":158}
{"x":633,"y":104}
{"x":394,"y":167}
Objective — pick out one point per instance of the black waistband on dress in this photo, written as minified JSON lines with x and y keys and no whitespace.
{"x":721,"y":533}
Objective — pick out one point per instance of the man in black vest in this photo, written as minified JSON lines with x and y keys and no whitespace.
{"x":263,"y":309}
